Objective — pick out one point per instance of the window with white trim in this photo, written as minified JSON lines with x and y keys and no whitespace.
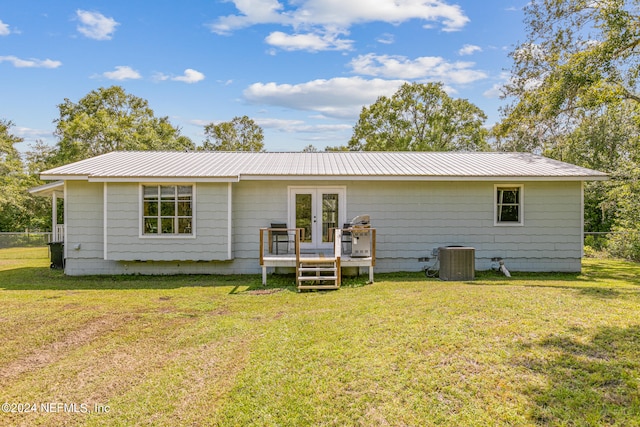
{"x":167,"y":210}
{"x":508,"y":205}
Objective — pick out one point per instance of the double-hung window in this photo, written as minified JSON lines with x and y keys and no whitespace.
{"x":167,"y":210}
{"x":508,"y":205}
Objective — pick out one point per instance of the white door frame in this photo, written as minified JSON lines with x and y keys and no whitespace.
{"x":316,"y":197}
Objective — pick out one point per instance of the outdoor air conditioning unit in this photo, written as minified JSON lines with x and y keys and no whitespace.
{"x":457,"y":263}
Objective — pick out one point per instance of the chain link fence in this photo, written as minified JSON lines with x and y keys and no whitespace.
{"x":26,"y":239}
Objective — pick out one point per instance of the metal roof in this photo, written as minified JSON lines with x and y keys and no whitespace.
{"x":235,"y":166}
{"x":48,"y":189}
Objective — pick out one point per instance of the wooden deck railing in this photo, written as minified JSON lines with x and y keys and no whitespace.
{"x":298,"y":234}
{"x":373,"y":247}
{"x":286,"y":259}
{"x":266,"y":241}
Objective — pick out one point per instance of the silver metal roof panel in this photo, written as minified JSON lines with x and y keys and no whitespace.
{"x":233,"y":166}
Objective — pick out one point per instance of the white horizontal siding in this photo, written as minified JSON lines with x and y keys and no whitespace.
{"x":411,"y":219}
{"x":256,"y":205}
{"x":123,"y":227}
{"x":83,"y":218}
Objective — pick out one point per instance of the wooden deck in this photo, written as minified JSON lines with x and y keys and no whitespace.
{"x":313,"y":266}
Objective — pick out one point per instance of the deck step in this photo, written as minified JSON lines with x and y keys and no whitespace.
{"x":323,"y":271}
{"x":326,"y":278}
{"x":316,"y":269}
{"x":318,"y":287}
{"x":317,"y":260}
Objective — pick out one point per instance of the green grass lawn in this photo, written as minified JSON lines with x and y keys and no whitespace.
{"x":535,"y":349}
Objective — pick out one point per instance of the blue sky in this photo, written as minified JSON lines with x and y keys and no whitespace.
{"x":302,"y":69}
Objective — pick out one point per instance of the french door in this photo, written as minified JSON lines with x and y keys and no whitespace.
{"x":317,"y":210}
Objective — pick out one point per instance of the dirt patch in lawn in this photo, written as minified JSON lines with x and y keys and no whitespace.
{"x":52,"y":352}
{"x":264,"y":291}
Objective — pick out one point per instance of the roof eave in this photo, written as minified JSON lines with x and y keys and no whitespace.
{"x":48,"y":189}
{"x":421,"y":178}
{"x":67,"y":177}
{"x":135,"y":179}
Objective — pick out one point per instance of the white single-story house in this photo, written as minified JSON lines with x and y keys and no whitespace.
{"x":203,"y":212}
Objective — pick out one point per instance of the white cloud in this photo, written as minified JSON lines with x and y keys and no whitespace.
{"x":30,"y":133}
{"x":311,"y":41}
{"x":199,"y":122}
{"x":426,"y":67}
{"x":4,"y":29}
{"x":252,"y":12}
{"x":495,"y":91}
{"x":506,"y":79}
{"x":122,"y":72}
{"x":288,"y":125}
{"x":95,"y":25}
{"x":319,"y":17}
{"x":160,"y":77}
{"x":346,"y":13}
{"x":30,"y":63}
{"x":324,"y":128}
{"x":327,"y":133}
{"x":338,"y":97}
{"x":469,"y":49}
{"x":190,"y":76}
{"x":285,"y":125}
{"x":386,"y":38}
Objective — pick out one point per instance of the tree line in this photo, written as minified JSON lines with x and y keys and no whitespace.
{"x":572,"y":96}
{"x":106,"y":119}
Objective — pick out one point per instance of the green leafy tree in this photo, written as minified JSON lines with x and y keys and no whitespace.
{"x":38,"y":157}
{"x":420,"y":117}
{"x":11,"y":176}
{"x":623,"y":193}
{"x":18,"y":209}
{"x":109,"y":119}
{"x":336,"y":148}
{"x":239,"y":134}
{"x":10,"y":162}
{"x":574,"y":97}
{"x":606,"y":139}
{"x":578,"y":55}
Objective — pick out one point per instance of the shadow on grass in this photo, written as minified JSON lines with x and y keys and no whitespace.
{"x":586,"y":381}
{"x":41,"y":278}
{"x":591,"y":291}
{"x":605,"y":279}
{"x":593,"y":270}
{"x":490,"y":277}
{"x":520,"y":276}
